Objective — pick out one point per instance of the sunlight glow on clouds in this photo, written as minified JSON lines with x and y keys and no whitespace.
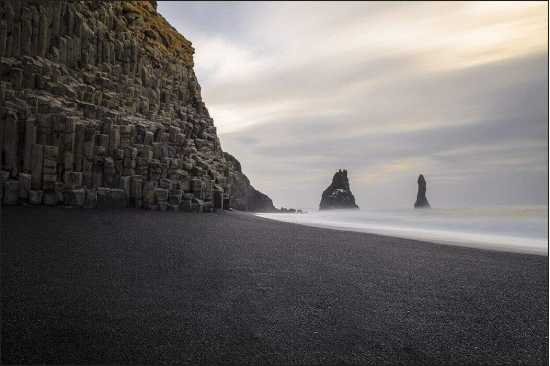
{"x":454,"y":90}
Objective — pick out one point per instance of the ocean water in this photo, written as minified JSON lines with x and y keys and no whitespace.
{"x":514,"y":229}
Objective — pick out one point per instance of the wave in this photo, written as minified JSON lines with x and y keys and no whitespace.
{"x":514,"y":229}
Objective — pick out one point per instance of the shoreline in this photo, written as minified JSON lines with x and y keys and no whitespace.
{"x":472,"y":240}
{"x":145,"y":287}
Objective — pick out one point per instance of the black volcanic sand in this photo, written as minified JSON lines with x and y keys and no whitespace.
{"x":140,"y":287}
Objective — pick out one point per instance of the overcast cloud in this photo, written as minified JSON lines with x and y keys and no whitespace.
{"x":456,"y":91}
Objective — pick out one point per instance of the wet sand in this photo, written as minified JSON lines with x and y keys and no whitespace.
{"x":139,"y":287}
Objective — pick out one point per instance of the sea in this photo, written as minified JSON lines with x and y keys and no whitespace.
{"x":513,"y":229}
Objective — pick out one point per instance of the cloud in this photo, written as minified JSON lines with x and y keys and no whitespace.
{"x":456,"y":91}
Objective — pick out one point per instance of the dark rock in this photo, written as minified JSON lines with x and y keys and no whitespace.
{"x":338,"y":194}
{"x":218,"y":198}
{"x":11,"y":192}
{"x":91,"y":198}
{"x":35,"y":197}
{"x":421,"y":200}
{"x":101,"y":96}
{"x":75,"y":197}
{"x":243,"y":196}
{"x":289,"y":210}
{"x":24,"y":185}
{"x":49,"y":198}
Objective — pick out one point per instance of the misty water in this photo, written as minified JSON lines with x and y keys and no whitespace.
{"x":515,"y":229}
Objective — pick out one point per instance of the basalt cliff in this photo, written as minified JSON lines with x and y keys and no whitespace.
{"x":338,"y":195}
{"x":100,"y":107}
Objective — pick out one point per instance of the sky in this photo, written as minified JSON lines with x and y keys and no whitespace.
{"x":455,"y":91}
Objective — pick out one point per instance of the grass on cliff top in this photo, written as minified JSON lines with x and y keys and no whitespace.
{"x":156,"y":30}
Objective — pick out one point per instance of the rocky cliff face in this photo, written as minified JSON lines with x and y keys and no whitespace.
{"x":100,"y":106}
{"x":244,"y":196}
{"x":338,"y":194}
{"x":421,"y":200}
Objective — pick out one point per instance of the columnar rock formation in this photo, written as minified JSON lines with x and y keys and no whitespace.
{"x":338,"y":194}
{"x":421,"y":200}
{"x":100,"y":106}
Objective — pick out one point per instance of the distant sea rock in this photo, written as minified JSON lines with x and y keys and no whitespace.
{"x":421,"y":200}
{"x":338,"y":194}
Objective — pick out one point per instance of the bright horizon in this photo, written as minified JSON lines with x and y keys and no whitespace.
{"x":455,"y":91}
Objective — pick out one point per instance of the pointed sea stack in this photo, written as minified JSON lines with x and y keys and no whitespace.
{"x":338,"y":194}
{"x":421,"y":200}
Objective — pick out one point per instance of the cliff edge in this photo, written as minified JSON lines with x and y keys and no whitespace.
{"x":244,"y":196}
{"x":100,"y":107}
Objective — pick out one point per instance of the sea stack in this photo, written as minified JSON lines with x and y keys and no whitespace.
{"x":421,"y":200}
{"x":338,"y":195}
{"x":100,"y":107}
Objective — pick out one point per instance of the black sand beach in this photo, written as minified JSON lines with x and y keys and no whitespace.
{"x":141,"y":287}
